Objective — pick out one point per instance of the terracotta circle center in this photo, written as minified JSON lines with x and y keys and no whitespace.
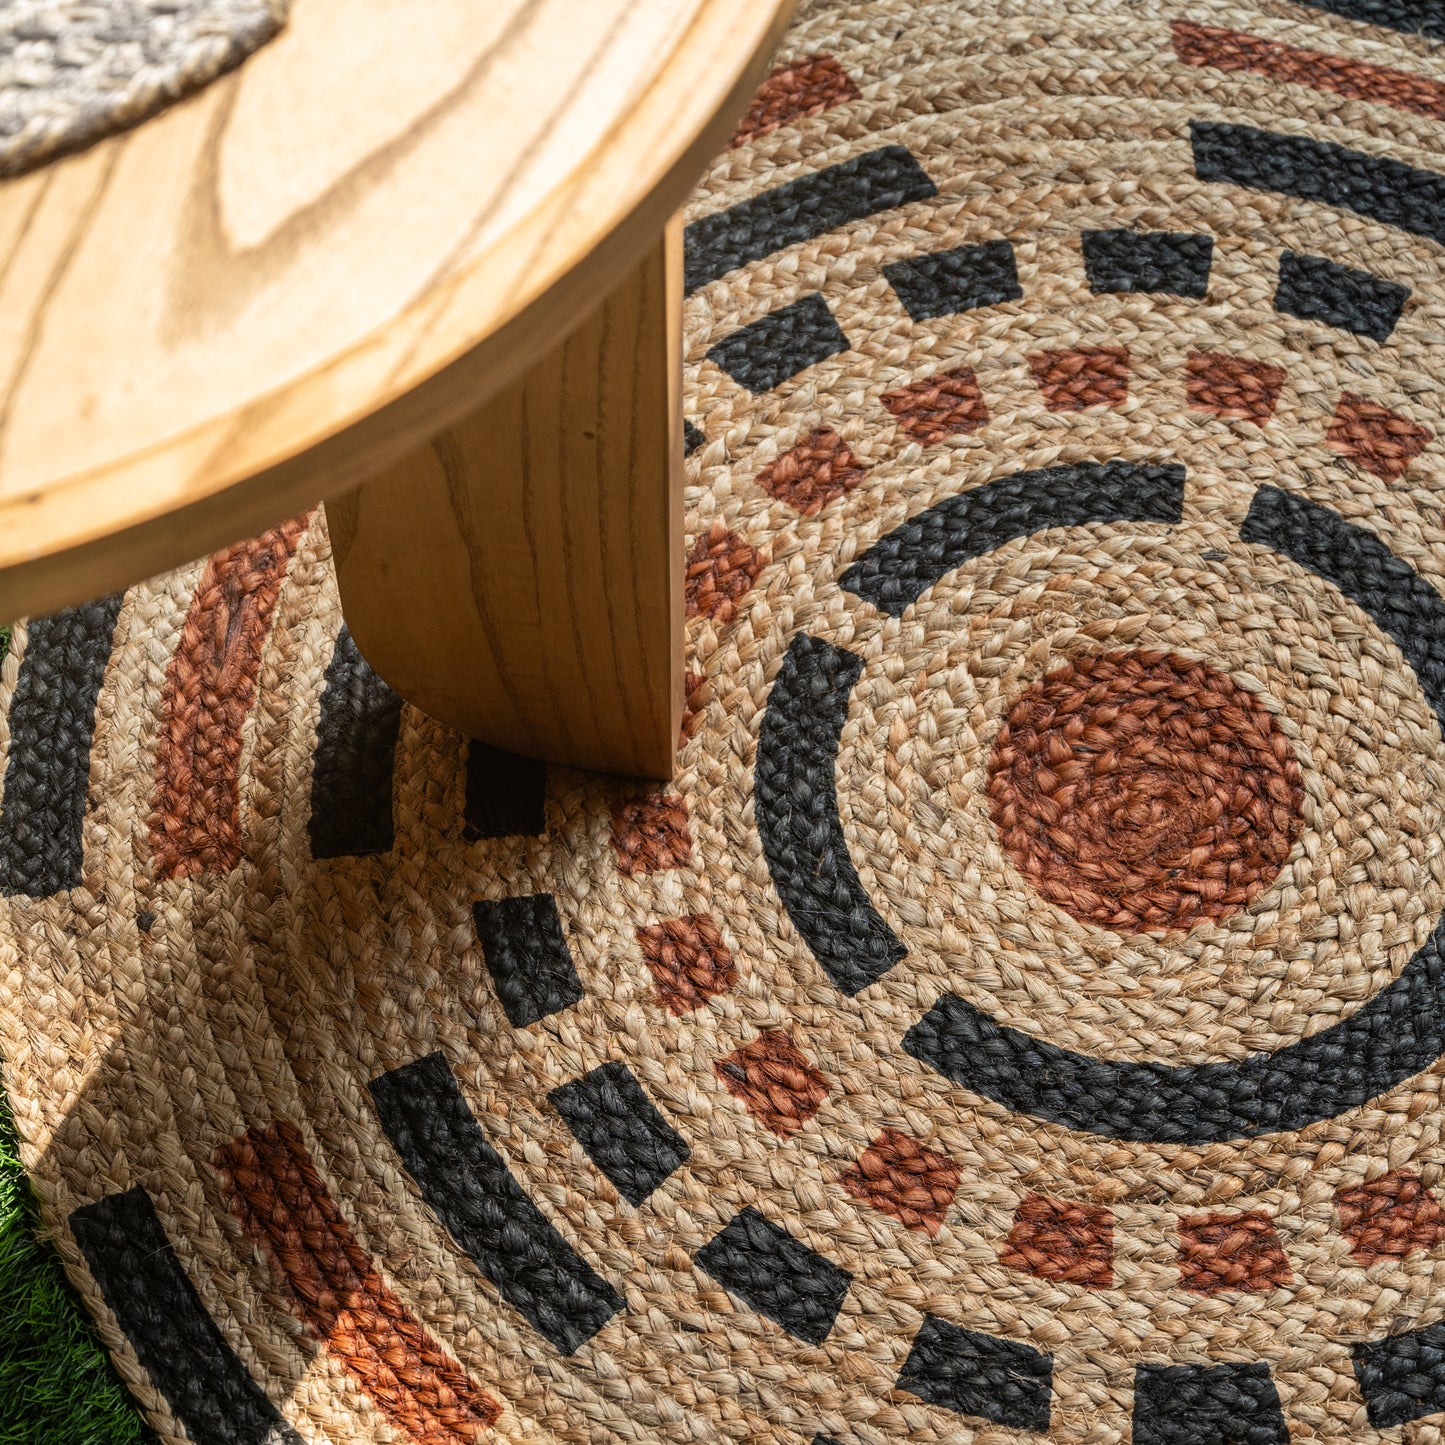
{"x":1144,"y":792}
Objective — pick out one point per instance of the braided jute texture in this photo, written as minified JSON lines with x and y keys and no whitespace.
{"x":1022,"y":1016}
{"x":72,"y":71}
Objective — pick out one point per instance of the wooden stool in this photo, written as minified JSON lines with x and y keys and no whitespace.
{"x":417,"y":261}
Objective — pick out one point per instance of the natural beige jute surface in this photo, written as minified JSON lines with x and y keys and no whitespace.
{"x":72,"y":71}
{"x":1021,"y":1016}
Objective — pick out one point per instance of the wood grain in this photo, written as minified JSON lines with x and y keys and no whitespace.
{"x":297,"y":277}
{"x":520,"y":578}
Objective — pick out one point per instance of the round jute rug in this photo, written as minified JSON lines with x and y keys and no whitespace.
{"x":1023,"y":1013}
{"x":73,"y":71}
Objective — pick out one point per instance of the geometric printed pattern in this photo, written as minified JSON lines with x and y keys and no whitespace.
{"x":797,"y":1214}
{"x":1231,"y":1252}
{"x":612,"y":1118}
{"x":777,"y":1275}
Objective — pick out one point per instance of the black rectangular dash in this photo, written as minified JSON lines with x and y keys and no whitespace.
{"x":624,"y":1135}
{"x":941,"y":283}
{"x":1315,"y":289}
{"x":1204,"y":1404}
{"x":766,"y":352}
{"x":1402,"y":1377}
{"x":355,"y":751}
{"x":1409,"y":17}
{"x":468,"y":1186}
{"x":52,"y":726}
{"x":813,"y":204}
{"x":173,"y":1335}
{"x":979,"y":1375}
{"x":506,"y":794}
{"x":1175,"y":263}
{"x":527,"y":956}
{"x":779,"y":1276}
{"x":1381,"y":189}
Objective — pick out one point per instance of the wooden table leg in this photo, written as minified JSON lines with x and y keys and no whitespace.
{"x":520,"y":579}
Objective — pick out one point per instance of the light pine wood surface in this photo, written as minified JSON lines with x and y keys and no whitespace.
{"x":294,"y":280}
{"x":521,"y":577}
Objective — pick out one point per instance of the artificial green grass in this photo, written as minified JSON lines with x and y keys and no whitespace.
{"x":57,"y":1387}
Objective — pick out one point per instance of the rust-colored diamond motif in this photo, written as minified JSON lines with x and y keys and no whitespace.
{"x":807,"y":86}
{"x":777,"y":1084}
{"x":1380,"y":440}
{"x":651,"y":834}
{"x":1062,"y":1240}
{"x":940,"y":406}
{"x":1232,"y":387}
{"x":897,"y":1175}
{"x":1082,"y":377}
{"x":688,"y":960}
{"x":811,"y":474}
{"x":720,"y":569}
{"x":1390,"y":1217}
{"x":1236,"y":1252}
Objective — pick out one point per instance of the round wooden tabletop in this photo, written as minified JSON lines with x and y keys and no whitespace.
{"x":266,"y":293}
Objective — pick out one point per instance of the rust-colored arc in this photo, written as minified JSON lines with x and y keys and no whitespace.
{"x":210,"y":685}
{"x":1354,"y":79}
{"x":285,"y":1206}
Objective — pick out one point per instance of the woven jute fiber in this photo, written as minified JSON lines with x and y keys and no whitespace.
{"x":1022,"y":1015}
{"x":72,"y":71}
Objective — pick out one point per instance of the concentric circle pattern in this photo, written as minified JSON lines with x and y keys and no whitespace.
{"x":1022,"y":1017}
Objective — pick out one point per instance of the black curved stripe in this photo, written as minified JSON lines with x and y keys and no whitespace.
{"x":800,"y":210}
{"x":1403,"y":605}
{"x":1409,"y":17}
{"x":351,"y":780}
{"x":1315,"y":289}
{"x":1206,"y":1404}
{"x":796,"y":803}
{"x":1402,"y":1377}
{"x":1314,"y":170}
{"x":210,"y":1391}
{"x":897,"y":570}
{"x":468,"y":1186}
{"x":1398,"y":1033}
{"x":52,"y":726}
